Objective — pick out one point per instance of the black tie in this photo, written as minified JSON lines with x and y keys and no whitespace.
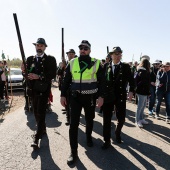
{"x":38,"y":62}
{"x":115,"y":70}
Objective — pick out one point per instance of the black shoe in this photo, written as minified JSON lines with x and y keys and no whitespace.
{"x":26,"y":108}
{"x":67,"y":122}
{"x":72,"y":158}
{"x":35,"y":141}
{"x":118,"y":138}
{"x":106,"y":145}
{"x":89,"y":142}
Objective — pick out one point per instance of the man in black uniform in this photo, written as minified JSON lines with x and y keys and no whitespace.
{"x":117,"y":76}
{"x":70,"y":55}
{"x":41,"y":69}
{"x":85,"y":75}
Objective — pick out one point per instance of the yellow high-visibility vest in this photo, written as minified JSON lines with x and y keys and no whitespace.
{"x":88,"y":76}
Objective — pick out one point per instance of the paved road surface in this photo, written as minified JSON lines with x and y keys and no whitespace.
{"x":147,"y":148}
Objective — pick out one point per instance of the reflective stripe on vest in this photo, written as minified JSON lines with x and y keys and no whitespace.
{"x":89,"y":77}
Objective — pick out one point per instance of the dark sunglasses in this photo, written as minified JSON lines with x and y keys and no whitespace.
{"x":156,"y":64}
{"x":2,"y":63}
{"x":118,"y":53}
{"x":84,"y":48}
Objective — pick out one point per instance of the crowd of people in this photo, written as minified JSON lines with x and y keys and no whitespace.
{"x":86,"y":82}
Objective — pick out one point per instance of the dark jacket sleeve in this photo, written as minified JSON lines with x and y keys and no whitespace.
{"x":50,"y":70}
{"x":130,"y":78}
{"x":67,"y":81}
{"x":101,"y":80}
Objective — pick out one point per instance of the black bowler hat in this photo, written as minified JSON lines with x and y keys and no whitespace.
{"x":70,"y":51}
{"x":85,"y":43}
{"x":41,"y":41}
{"x":116,"y":50}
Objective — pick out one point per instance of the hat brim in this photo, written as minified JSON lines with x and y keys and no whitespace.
{"x":70,"y":52}
{"x":110,"y":53}
{"x":82,"y":44}
{"x":156,"y":63}
{"x":166,"y":65}
{"x":39,"y":43}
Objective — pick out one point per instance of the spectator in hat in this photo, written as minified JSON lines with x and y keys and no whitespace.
{"x":163,"y":90}
{"x":153,"y":74}
{"x":103,"y":62}
{"x":70,"y":54}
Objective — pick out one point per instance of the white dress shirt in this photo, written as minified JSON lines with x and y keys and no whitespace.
{"x":113,"y":66}
{"x":39,"y":56}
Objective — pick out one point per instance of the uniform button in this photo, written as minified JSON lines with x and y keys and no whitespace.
{"x":120,"y":87}
{"x":121,"y":100}
{"x":120,"y":80}
{"x":121,"y":94}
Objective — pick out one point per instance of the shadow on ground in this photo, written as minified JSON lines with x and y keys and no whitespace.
{"x":47,"y":161}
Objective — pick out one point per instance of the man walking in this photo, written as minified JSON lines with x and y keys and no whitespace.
{"x":41,"y":69}
{"x":85,"y":75}
{"x":117,"y":75}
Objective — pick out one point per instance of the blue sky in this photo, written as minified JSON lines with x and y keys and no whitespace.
{"x":137,"y":26}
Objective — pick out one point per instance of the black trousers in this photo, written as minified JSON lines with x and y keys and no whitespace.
{"x":25,"y":95}
{"x":39,"y":109}
{"x":120,"y":108}
{"x":68,"y":105}
{"x":88,"y":102}
{"x":2,"y":85}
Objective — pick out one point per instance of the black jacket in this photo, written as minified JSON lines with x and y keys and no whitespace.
{"x":153,"y":74}
{"x":46,"y":70}
{"x":116,"y":83}
{"x":163,"y":81}
{"x":68,"y":77}
{"x":142,"y":80}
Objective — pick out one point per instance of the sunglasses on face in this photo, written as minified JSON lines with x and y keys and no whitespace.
{"x":118,"y":54}
{"x":84,"y":48}
{"x":157,"y":64}
{"x":2,"y":63}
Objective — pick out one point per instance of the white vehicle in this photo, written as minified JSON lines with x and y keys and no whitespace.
{"x":15,"y":79}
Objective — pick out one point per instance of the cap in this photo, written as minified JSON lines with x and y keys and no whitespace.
{"x":40,"y":41}
{"x":70,"y":51}
{"x":146,"y":57}
{"x":116,"y":50}
{"x":85,"y":43}
{"x":156,"y":62}
{"x":166,"y":64}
